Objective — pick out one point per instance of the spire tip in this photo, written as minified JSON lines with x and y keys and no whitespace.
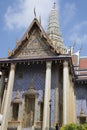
{"x":54,"y":6}
{"x":34,"y":12}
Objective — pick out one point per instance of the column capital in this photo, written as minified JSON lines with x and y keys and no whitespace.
{"x":48,"y":64}
{"x":65,"y":63}
{"x":13,"y":66}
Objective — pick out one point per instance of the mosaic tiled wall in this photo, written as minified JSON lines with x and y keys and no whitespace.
{"x":37,"y":73}
{"x":81,"y":99}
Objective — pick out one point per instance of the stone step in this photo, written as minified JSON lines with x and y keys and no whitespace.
{"x":27,"y":128}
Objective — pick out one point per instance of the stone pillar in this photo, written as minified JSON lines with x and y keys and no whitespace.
{"x":20,"y":116}
{"x":23,"y":111}
{"x":8,"y":98}
{"x":70,"y":100}
{"x":74,"y":104}
{"x":0,"y":89}
{"x":3,"y":101}
{"x":74,"y":107}
{"x":19,"y":112}
{"x":65,"y":84}
{"x":56,"y":105}
{"x":2,"y":86}
{"x":36,"y":110}
{"x":39,"y":109}
{"x":19,"y":127}
{"x":46,"y":113}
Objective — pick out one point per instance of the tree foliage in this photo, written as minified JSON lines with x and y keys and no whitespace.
{"x":74,"y":127}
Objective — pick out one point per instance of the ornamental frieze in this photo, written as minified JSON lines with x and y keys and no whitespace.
{"x":35,"y":47}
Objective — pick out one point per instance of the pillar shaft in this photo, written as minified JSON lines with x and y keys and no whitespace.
{"x":57,"y":83}
{"x":36,"y":110}
{"x":0,"y":92}
{"x":8,"y":97}
{"x":2,"y":85}
{"x":74,"y":103}
{"x":47,"y":97}
{"x":65,"y":83}
{"x":23,"y":109}
{"x":3,"y":101}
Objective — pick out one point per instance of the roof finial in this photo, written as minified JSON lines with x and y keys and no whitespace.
{"x":54,"y":5}
{"x":40,"y":19}
{"x":34,"y":12}
{"x":9,"y":52}
{"x":81,"y":48}
{"x":17,"y":42}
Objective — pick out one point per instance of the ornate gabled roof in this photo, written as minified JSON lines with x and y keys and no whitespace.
{"x":54,"y":30}
{"x":35,"y":24}
{"x":26,"y":37}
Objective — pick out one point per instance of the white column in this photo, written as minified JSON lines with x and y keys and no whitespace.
{"x":74,"y":103}
{"x":19,"y":127}
{"x":0,"y":89}
{"x":57,"y":83}
{"x":47,"y":97}
{"x":65,"y":83}
{"x":20,"y":116}
{"x":2,"y":85}
{"x":23,"y":111}
{"x":3,"y":101}
{"x":36,"y":110}
{"x":8,"y":98}
{"x":74,"y":107}
{"x":39,"y":109}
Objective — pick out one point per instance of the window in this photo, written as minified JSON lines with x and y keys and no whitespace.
{"x":82,"y":120}
{"x":15,"y":111}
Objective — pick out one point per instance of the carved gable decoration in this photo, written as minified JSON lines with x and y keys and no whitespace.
{"x":35,"y":47}
{"x":33,"y":44}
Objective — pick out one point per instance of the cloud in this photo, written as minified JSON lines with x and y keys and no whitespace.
{"x":69,"y":12}
{"x":79,"y":26}
{"x":79,"y":33}
{"x":20,"y":14}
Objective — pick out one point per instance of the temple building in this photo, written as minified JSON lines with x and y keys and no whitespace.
{"x":41,"y":82}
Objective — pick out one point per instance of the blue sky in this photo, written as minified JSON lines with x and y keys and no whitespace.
{"x":16,"y":16}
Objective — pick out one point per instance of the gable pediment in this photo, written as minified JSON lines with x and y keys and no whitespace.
{"x":35,"y":46}
{"x":34,"y":43}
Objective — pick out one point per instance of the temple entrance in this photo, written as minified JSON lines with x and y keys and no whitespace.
{"x":29,"y":111}
{"x":30,"y":97}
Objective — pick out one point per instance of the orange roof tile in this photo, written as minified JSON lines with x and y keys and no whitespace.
{"x":83,"y":63}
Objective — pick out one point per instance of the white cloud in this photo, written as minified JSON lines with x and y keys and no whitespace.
{"x":20,"y":14}
{"x":79,"y":33}
{"x":79,"y":26}
{"x":69,"y":12}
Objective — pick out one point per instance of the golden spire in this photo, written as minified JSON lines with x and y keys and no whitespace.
{"x":9,"y":52}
